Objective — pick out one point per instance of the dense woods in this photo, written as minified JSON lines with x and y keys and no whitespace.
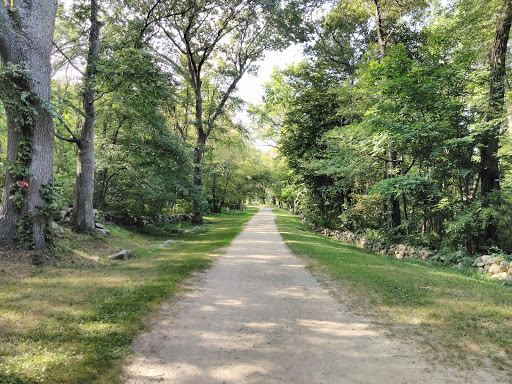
{"x":128,"y":160}
{"x":396,"y":124}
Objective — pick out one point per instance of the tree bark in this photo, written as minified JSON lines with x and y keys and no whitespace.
{"x":396,"y":220}
{"x":489,"y":164}
{"x":82,"y":219}
{"x":197,"y":215}
{"x":26,"y":35}
{"x":379,"y":29}
{"x":392,"y":154}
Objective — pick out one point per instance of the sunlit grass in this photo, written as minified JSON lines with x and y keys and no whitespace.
{"x":74,"y":324}
{"x":452,"y":312}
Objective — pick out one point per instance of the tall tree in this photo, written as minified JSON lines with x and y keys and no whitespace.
{"x":82,"y":219}
{"x":222,"y":40}
{"x":489,"y":164}
{"x":26,"y":33}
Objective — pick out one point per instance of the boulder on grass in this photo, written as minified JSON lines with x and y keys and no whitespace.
{"x":164,"y":244}
{"x":495,"y":268}
{"x":122,"y":255}
{"x":486,"y":259}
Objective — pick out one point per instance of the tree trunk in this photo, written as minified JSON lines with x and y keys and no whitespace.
{"x":489,"y":164}
{"x":197,"y":215}
{"x":392,"y":154}
{"x":26,"y":35}
{"x":396,"y":220}
{"x":82,"y":219}
{"x":379,"y":29}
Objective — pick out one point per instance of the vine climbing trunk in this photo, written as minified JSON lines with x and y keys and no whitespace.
{"x":26,"y":34}
{"x":82,"y":219}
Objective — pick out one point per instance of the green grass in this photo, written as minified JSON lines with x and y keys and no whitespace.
{"x":74,"y":323}
{"x":455,"y":314}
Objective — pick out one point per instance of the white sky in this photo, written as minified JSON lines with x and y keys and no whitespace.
{"x":250,"y":88}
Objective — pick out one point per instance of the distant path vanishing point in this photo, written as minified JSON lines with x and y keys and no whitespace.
{"x":258,"y":316}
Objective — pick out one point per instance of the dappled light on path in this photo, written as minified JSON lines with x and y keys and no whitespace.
{"x":258,"y":316}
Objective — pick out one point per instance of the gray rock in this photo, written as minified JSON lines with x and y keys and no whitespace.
{"x":122,"y":255}
{"x":103,"y":231}
{"x":194,"y":230}
{"x":164,"y":244}
{"x":99,"y":225}
{"x":56,"y":228}
{"x":486,"y":259}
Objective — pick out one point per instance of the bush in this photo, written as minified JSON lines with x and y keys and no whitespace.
{"x":364,"y":213}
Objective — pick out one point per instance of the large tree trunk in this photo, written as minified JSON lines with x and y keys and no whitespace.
{"x":26,"y":34}
{"x":197,"y":215}
{"x":379,"y":29}
{"x":489,"y":165}
{"x":196,"y":82}
{"x":396,"y":220}
{"x":392,"y":154}
{"x":82,"y":219}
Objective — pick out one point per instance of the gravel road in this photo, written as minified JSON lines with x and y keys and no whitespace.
{"x":258,"y":316}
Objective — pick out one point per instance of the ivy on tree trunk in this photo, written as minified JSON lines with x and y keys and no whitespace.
{"x":26,"y":34}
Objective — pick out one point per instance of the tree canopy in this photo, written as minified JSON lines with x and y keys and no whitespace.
{"x":396,"y":123}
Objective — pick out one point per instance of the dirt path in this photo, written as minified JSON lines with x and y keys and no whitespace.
{"x":258,"y":316}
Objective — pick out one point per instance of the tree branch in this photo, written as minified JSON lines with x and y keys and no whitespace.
{"x":69,"y":140}
{"x":224,"y":99}
{"x":68,"y":59}
{"x":410,"y":166}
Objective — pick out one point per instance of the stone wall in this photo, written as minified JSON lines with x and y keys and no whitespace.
{"x":496,"y":267}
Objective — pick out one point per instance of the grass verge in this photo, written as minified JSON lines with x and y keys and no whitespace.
{"x":454,"y":314}
{"x":74,"y":323}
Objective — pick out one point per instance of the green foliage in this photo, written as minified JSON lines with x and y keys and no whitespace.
{"x":365,"y":212}
{"x":415,"y":187}
{"x":470,"y":222}
{"x":24,"y":233}
{"x":404,"y":123}
{"x":16,"y":95}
